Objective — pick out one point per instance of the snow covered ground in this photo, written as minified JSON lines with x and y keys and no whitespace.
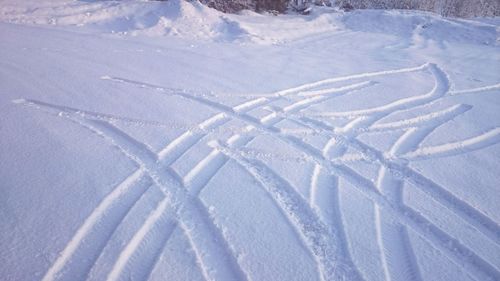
{"x":167,"y":141}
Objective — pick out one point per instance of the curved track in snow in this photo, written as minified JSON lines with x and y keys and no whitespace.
{"x":317,"y":218}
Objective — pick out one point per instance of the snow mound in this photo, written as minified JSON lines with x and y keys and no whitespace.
{"x":178,"y":18}
{"x":192,"y":20}
{"x":152,"y":18}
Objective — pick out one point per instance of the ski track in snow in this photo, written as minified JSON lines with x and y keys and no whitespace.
{"x":316,"y":218}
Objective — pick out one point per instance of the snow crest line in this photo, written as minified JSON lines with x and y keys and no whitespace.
{"x":351,"y":77}
{"x":456,"y":148}
{"x":424,"y":120}
{"x":476,"y":90}
{"x":441,"y":87}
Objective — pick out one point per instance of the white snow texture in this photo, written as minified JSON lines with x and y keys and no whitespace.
{"x":164,"y":140}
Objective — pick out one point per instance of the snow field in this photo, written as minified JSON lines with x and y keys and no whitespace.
{"x":340,"y":153}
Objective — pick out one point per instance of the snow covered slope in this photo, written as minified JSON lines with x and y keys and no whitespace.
{"x":193,"y":145}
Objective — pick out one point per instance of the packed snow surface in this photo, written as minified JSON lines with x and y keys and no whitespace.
{"x":148,"y":140}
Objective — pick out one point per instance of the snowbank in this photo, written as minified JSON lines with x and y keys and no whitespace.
{"x":190,"y":19}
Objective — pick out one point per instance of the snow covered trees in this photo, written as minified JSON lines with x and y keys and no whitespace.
{"x":454,"y":8}
{"x":231,"y":6}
